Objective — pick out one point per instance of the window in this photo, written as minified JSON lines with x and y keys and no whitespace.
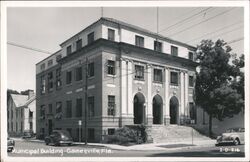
{"x":58,"y":57}
{"x":42,"y":66}
{"x":139,"y":72}
{"x":191,"y":55}
{"x":193,"y":112}
{"x":111,"y":131}
{"x":58,"y":78}
{"x":79,"y":44}
{"x":139,"y":41}
{"x":50,"y":62}
{"x":174,"y":51}
{"x":30,"y":114}
{"x":50,"y":109}
{"x":22,"y":113}
{"x":11,"y":114}
{"x":50,"y":81}
{"x":111,"y":105}
{"x":58,"y":107}
{"x":31,"y":125}
{"x":16,"y":126}
{"x":43,"y":86}
{"x":69,"y":50}
{"x":91,"y":37}
{"x":174,"y":78}
{"x":91,"y":106}
{"x":91,"y":134}
{"x":157,"y":75}
{"x":111,"y":34}
{"x":69,"y":109}
{"x":157,"y":46}
{"x":68,"y":77}
{"x":42,"y":111}
{"x":79,"y":107}
{"x":91,"y":69}
{"x":111,"y":67}
{"x":16,"y":113}
{"x":191,"y":81}
{"x":78,"y":72}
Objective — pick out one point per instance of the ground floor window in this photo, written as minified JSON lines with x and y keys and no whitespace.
{"x":193,"y":112}
{"x":91,"y":134}
{"x":111,"y":131}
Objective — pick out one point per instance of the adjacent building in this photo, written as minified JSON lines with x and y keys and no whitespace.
{"x":115,"y":74}
{"x":21,"y":113}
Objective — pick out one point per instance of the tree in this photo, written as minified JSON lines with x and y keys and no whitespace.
{"x":218,"y":89}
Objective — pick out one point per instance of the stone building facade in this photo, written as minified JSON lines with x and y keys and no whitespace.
{"x":132,"y":76}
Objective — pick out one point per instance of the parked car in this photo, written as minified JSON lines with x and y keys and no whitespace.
{"x":28,"y":134}
{"x":59,"y":137}
{"x":232,"y":135}
{"x":11,"y":144}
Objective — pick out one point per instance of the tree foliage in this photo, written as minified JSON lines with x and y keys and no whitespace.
{"x":219,"y":86}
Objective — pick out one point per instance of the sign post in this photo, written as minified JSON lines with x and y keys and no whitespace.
{"x":192,"y":133}
{"x":80,"y":124}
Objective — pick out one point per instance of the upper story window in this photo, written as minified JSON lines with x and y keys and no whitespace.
{"x":50,"y":81}
{"x":174,"y":50}
{"x":68,"y":77}
{"x":91,"y":106}
{"x":50,"y":62}
{"x":42,"y":111}
{"x":191,"y":55}
{"x":78,"y":107}
{"x":58,"y":107}
{"x":139,"y":41}
{"x":111,"y":105}
{"x":157,"y":46}
{"x":69,"y":50}
{"x":79,"y":44}
{"x":78,"y":73}
{"x":58,"y":78}
{"x":174,"y":78}
{"x":50,"y":111}
{"x":30,"y":114}
{"x":43,"y":86}
{"x":111,"y":67}
{"x":91,"y":69}
{"x":68,"y":109}
{"x":191,"y":81}
{"x":139,"y":72}
{"x":42,"y":66}
{"x":91,"y":37}
{"x":58,"y":57}
{"x":111,"y":34}
{"x":157,"y":75}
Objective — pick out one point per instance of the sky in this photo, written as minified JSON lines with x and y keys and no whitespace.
{"x":45,"y":28}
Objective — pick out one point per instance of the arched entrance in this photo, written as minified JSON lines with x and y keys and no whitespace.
{"x":174,"y":106}
{"x":139,"y":110}
{"x":157,"y":109}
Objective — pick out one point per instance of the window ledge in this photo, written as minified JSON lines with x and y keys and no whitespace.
{"x":92,"y":77}
{"x":110,"y":75}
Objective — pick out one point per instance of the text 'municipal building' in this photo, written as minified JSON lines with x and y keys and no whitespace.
{"x":134,"y":76}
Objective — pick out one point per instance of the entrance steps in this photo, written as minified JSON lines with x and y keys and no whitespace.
{"x":175,"y":133}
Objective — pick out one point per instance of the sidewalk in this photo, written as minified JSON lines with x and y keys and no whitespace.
{"x":145,"y":147}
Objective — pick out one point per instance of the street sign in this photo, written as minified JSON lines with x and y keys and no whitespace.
{"x":79,"y":122}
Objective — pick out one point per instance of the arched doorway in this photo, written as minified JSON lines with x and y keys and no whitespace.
{"x":157,"y":109}
{"x":174,"y":106}
{"x":139,"y":111}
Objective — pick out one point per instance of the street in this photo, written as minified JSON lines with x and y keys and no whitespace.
{"x":38,"y":149}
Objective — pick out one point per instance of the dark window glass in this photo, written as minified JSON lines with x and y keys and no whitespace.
{"x":91,"y":133}
{"x":91,"y":69}
{"x":174,"y":51}
{"x":91,"y":106}
{"x":58,"y":107}
{"x":91,"y":37}
{"x":58,"y":78}
{"x":139,"y":72}
{"x":68,"y":77}
{"x":30,"y":114}
{"x":42,"y":111}
{"x":139,"y":41}
{"x":111,"y":131}
{"x":42,"y":66}
{"x":157,"y":75}
{"x":174,"y":78}
{"x":50,"y":109}
{"x":111,"y":34}
{"x":191,"y":81}
{"x":69,"y":50}
{"x":43,"y":84}
{"x":69,"y":109}
{"x":78,"y":73}
{"x":157,"y":46}
{"x":50,"y":81}
{"x":79,"y":44}
{"x":193,"y":112}
{"x":111,"y":67}
{"x":111,"y":105}
{"x":50,"y":62}
{"x":191,"y":55}
{"x":78,"y":107}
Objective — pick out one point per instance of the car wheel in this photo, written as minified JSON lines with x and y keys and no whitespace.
{"x":236,"y":141}
{"x":69,"y":144}
{"x":47,"y":142}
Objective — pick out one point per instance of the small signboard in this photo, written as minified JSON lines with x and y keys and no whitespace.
{"x":79,"y":122}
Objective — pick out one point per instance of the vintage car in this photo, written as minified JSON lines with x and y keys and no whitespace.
{"x":59,"y":137}
{"x":10,"y":144}
{"x":232,"y":136}
{"x":28,"y":134}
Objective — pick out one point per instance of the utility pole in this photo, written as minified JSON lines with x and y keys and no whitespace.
{"x":86,"y":102}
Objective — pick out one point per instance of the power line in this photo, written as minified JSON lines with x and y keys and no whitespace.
{"x":181,"y":21}
{"x":201,"y":22}
{"x":235,"y":40}
{"x":29,"y":48}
